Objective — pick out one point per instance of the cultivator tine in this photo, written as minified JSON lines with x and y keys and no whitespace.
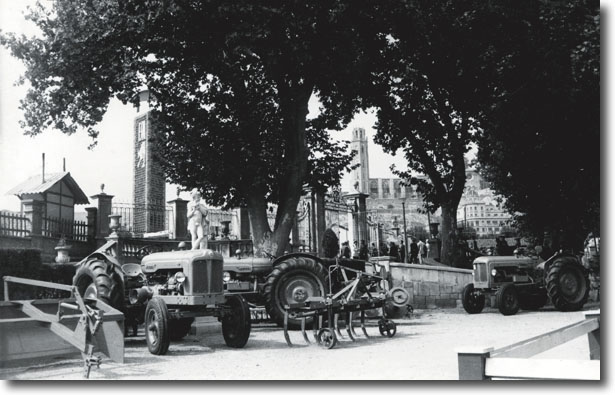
{"x":363,"y":324}
{"x":290,"y":344}
{"x":349,"y":326}
{"x":305,"y":336}
{"x":317,"y":324}
{"x":336,"y":317}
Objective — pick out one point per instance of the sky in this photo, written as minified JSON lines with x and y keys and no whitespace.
{"x":110,"y":162}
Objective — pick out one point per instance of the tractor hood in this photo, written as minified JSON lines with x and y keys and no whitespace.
{"x":495,"y":261}
{"x":175,"y":259}
{"x":247,"y":265}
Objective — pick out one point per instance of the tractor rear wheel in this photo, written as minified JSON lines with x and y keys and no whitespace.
{"x":567,"y":284}
{"x":236,"y":327}
{"x":157,"y":326}
{"x":472,"y":300}
{"x":97,"y":279}
{"x":178,"y":329}
{"x":507,"y":299}
{"x":292,"y":281}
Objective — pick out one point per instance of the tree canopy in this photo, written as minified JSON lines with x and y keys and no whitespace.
{"x":539,"y":146}
{"x":231,"y":82}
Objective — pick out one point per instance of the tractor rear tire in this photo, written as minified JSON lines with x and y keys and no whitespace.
{"x":157,"y":326}
{"x":178,"y":329}
{"x":293,"y":281}
{"x":97,"y":278}
{"x":472,"y":303}
{"x":567,"y":284}
{"x":508,"y":299}
{"x":237,"y":326}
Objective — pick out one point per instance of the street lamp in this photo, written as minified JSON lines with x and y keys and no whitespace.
{"x":403,"y":207}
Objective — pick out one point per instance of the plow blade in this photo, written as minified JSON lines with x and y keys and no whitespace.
{"x":36,"y":330}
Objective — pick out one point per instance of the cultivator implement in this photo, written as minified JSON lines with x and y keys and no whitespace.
{"x":362,"y":292}
{"x":89,"y":325}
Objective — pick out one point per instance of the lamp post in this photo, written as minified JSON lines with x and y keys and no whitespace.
{"x":403,"y":207}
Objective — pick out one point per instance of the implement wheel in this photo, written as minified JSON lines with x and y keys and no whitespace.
{"x":473,"y":301}
{"x":236,"y":327}
{"x":294,"y":280}
{"x":387,"y":328}
{"x":157,"y":326}
{"x":508,"y":299}
{"x":327,"y":338}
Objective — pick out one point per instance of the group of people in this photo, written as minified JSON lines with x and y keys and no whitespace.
{"x":419,"y":250}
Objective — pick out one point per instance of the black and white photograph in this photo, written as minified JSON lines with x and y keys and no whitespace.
{"x":326,"y":191}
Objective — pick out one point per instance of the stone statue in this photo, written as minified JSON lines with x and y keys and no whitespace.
{"x":197,"y":221}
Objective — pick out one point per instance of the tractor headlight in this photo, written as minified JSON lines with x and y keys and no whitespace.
{"x":494,"y":272}
{"x":180,"y":277}
{"x":226,"y":277}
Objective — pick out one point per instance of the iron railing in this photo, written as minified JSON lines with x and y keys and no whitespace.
{"x":60,"y":227}
{"x":14,"y":224}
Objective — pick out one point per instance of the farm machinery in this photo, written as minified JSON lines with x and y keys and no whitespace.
{"x":123,"y":273}
{"x":526,"y":282}
{"x":166,"y":291}
{"x":35,"y":329}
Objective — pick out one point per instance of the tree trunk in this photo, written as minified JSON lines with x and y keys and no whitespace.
{"x":294,"y":104}
{"x":261,"y":232}
{"x":448,"y":235}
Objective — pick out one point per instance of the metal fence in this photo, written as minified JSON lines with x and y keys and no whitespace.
{"x":60,"y":227}
{"x":13,"y":224}
{"x":144,"y":218}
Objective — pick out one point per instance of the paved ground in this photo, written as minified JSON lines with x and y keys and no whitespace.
{"x":423,"y":349}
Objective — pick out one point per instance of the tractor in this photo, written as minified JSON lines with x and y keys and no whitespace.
{"x":277,"y":282}
{"x":524,"y":282}
{"x":165,"y":291}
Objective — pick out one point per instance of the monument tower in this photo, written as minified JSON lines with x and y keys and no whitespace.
{"x":360,"y":175}
{"x":149,"y":181}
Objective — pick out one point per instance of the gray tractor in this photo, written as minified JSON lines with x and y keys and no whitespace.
{"x":527,"y":282}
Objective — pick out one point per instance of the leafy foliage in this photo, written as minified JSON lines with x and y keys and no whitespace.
{"x":540,"y":140}
{"x":230,"y":81}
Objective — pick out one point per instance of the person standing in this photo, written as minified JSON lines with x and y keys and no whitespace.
{"x":363,"y":254}
{"x":421,"y":255}
{"x":414,"y":251}
{"x":394,"y":252}
{"x":345,"y":250}
{"x":402,"y":252}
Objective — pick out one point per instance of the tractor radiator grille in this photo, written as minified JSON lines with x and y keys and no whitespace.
{"x":207,"y":277}
{"x":480,"y":272}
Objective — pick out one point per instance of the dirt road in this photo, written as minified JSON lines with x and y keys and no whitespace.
{"x":423,"y":349}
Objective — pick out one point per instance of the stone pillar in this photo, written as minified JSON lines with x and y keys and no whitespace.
{"x":102,"y":215}
{"x":180,"y":211}
{"x":321,"y":225}
{"x":33,"y":209}
{"x":92,"y":214}
{"x":244,"y":224}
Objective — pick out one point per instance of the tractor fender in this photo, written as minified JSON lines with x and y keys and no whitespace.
{"x":277,"y":260}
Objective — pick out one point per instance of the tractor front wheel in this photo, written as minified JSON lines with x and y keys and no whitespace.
{"x":473,"y":301}
{"x":236,"y":326}
{"x":157,"y":326}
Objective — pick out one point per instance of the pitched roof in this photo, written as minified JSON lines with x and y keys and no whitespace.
{"x":34,"y":184}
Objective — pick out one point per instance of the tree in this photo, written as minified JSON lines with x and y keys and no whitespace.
{"x":427,"y":88}
{"x":540,"y":140}
{"x":194,"y":56}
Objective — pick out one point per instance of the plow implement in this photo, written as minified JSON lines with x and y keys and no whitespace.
{"x":35,"y":329}
{"x":361,"y":292}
